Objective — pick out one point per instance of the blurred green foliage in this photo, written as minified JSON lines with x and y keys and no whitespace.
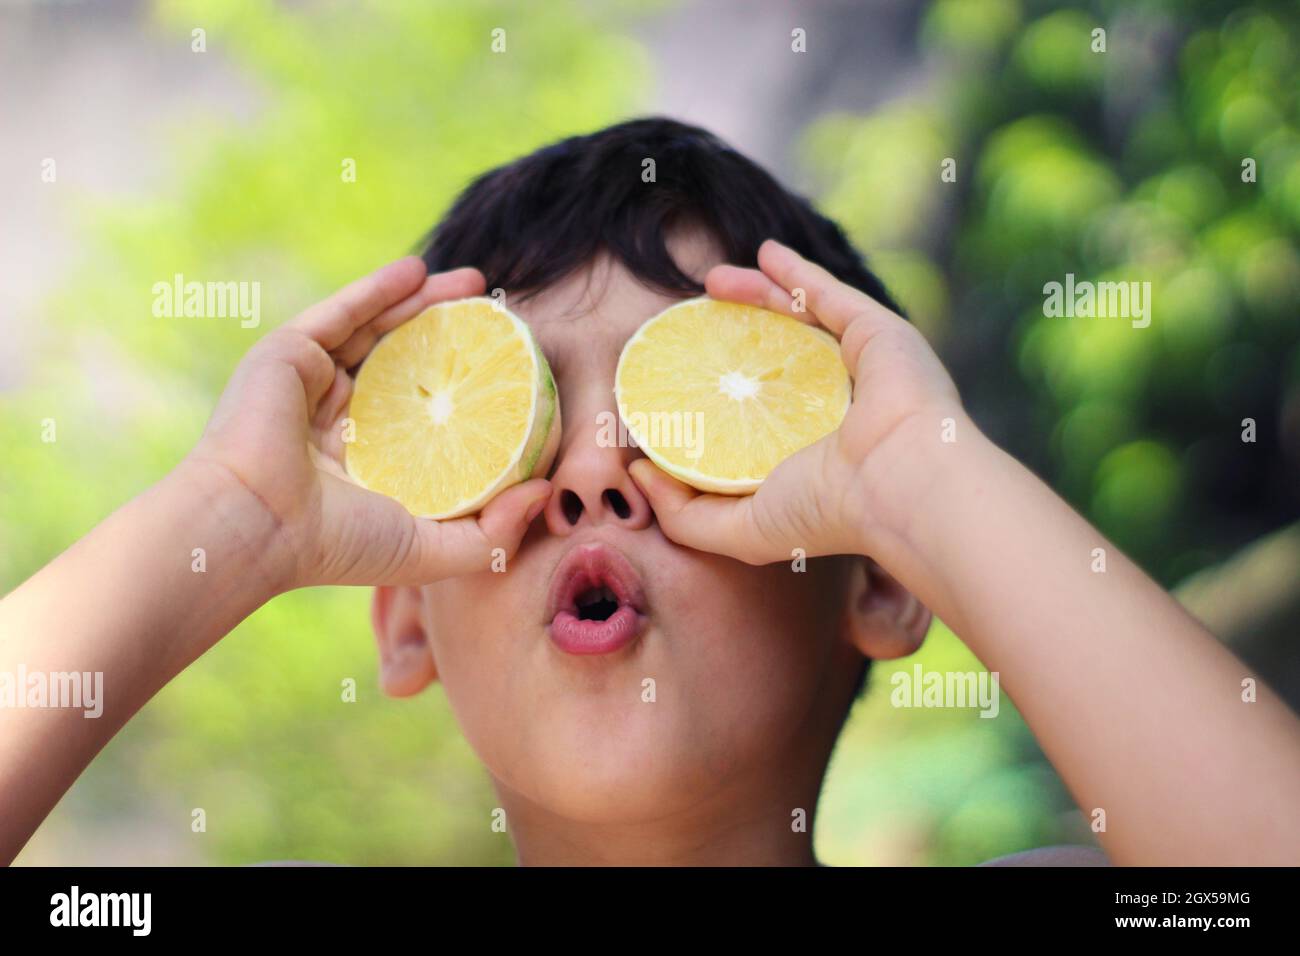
{"x":1121,"y":165}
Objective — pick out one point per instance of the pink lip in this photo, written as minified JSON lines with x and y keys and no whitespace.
{"x":584,"y":568}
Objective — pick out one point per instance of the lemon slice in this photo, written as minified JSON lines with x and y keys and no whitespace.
{"x":451,"y":408}
{"x":718,"y":394}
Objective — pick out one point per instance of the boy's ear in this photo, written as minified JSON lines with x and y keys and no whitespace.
{"x":884,"y":620}
{"x":406,"y":664}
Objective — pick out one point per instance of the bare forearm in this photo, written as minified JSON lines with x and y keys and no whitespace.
{"x":126,"y":602}
{"x":1138,"y":707}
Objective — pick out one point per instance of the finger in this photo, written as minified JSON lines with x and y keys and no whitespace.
{"x":736,"y":284}
{"x":835,"y":303}
{"x":290,"y":347}
{"x":446,"y":549}
{"x":507,"y":517}
{"x":704,"y":522}
{"x":441,"y":287}
{"x":331,"y":322}
{"x":328,"y":421}
{"x":334,"y":401}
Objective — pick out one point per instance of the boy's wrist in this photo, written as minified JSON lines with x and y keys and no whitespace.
{"x":235,"y":525}
{"x":913,"y":469}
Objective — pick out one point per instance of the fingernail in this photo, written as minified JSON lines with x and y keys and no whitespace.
{"x":534,"y":510}
{"x":636,"y":479}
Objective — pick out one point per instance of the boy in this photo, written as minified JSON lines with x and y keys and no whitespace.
{"x":755,"y":666}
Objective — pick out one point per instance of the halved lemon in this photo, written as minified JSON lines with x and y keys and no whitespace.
{"x":718,"y":394}
{"x":451,"y":408}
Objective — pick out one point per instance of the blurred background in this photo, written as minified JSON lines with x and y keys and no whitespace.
{"x":225,"y":162}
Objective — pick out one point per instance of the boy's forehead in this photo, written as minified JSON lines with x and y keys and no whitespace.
{"x":600,"y":306}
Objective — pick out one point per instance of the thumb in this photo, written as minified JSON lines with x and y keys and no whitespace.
{"x":396,"y":548}
{"x":705,"y":522}
{"x":507,"y":517}
{"x":466,"y":545}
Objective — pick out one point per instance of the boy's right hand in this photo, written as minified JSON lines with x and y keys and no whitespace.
{"x":276,"y":439}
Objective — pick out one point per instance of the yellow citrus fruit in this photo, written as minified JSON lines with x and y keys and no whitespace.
{"x":451,"y":408}
{"x":718,"y":394}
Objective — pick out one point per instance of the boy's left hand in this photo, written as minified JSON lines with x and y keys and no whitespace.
{"x":848,"y":491}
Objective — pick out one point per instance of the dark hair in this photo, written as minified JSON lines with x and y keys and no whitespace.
{"x":532,"y":222}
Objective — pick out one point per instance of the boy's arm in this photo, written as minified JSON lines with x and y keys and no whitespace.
{"x":265,"y":497}
{"x":123,"y":602}
{"x":1138,"y":707}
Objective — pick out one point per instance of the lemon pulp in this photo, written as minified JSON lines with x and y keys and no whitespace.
{"x":719,"y":393}
{"x":451,"y":408}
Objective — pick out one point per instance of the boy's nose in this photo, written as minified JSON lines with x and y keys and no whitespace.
{"x":591,"y":484}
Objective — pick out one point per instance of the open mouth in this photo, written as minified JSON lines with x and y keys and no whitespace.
{"x":597,"y":605}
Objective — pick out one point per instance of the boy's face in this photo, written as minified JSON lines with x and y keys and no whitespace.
{"x":712,"y":681}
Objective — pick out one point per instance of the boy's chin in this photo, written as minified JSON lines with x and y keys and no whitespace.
{"x":613,"y":794}
{"x":621,"y":773}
